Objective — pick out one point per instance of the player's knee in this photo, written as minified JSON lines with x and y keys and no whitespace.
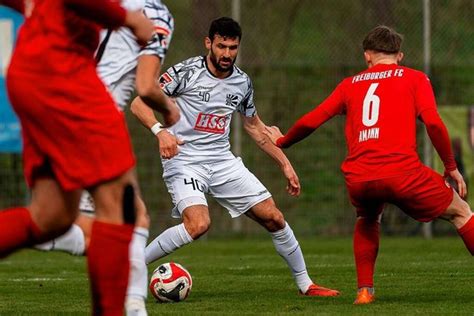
{"x":462,"y":215}
{"x":198,"y":228}
{"x":458,"y":212}
{"x":275,"y":221}
{"x":370,"y":219}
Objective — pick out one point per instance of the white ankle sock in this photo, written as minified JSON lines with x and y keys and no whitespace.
{"x":287,"y":246}
{"x":167,"y":242}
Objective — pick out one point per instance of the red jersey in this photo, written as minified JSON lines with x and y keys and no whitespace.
{"x":61,"y":36}
{"x":382,"y":104}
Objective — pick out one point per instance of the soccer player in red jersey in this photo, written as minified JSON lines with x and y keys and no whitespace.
{"x":381,"y":105}
{"x":74,"y":137}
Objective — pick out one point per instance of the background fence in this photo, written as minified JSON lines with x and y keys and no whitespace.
{"x":296,"y":51}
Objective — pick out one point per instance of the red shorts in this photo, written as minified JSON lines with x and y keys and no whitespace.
{"x":72,"y":127}
{"x":422,"y":195}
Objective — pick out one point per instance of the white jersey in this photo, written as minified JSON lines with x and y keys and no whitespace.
{"x":118,"y":51}
{"x":206,"y":104}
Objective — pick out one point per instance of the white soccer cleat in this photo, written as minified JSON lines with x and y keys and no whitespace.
{"x":135,"y":307}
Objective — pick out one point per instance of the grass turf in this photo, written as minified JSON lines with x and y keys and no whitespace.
{"x":247,"y":277}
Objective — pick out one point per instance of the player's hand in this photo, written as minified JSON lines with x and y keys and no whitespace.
{"x":293,"y":187}
{"x":272,"y":132}
{"x":456,"y":176}
{"x":141,"y":26}
{"x":168,"y":144}
{"x":171,"y":116}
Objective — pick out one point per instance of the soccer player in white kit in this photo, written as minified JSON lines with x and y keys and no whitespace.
{"x":208,"y":90}
{"x":118,"y":56}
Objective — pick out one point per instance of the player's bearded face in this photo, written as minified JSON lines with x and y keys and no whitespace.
{"x":223,"y":52}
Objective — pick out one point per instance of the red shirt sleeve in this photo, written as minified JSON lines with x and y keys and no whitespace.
{"x":106,"y":13}
{"x":309,"y":122}
{"x":14,"y":4}
{"x":426,"y":108}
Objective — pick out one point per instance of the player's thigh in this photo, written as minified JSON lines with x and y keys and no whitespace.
{"x":186,"y":185}
{"x":423,"y":195}
{"x":109,"y":197}
{"x":367,"y":198}
{"x":458,"y":212}
{"x":236,"y":188}
{"x":87,"y":208}
{"x":52,"y":208}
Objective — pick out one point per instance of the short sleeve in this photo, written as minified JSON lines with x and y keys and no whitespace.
{"x":177,"y":79}
{"x":247,"y":106}
{"x":164,"y":27}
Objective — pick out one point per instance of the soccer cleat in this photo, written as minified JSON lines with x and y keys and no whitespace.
{"x":365,"y":295}
{"x":316,"y":290}
{"x":135,"y":307}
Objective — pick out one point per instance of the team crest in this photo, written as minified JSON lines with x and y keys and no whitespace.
{"x":232,"y":100}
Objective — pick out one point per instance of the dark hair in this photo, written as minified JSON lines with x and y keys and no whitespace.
{"x":225,"y":27}
{"x":383,"y":39}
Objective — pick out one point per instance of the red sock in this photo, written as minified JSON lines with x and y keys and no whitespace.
{"x":108,"y":263}
{"x":366,"y":247}
{"x":467,"y":234}
{"x":17,"y":230}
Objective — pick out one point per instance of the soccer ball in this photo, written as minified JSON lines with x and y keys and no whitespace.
{"x":170,"y":282}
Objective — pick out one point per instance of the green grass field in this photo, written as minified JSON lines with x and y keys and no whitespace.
{"x":247,"y":277}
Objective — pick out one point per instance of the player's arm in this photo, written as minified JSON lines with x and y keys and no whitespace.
{"x":167,"y":143}
{"x":256,"y":129}
{"x":437,"y":131}
{"x":109,"y":14}
{"x":309,"y":122}
{"x":148,"y":69}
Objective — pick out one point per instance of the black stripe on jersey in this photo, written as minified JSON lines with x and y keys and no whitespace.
{"x":177,"y":80}
{"x":101,"y":49}
{"x":162,"y":20}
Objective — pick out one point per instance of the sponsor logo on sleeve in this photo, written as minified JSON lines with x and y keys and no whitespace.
{"x":211,"y":123}
{"x":165,"y":79}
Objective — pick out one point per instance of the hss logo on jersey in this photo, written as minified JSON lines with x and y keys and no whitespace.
{"x":210,"y":123}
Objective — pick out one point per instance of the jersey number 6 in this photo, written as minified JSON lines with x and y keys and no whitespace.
{"x":371,"y":106}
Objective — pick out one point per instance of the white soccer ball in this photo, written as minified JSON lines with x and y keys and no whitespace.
{"x":171,"y":282}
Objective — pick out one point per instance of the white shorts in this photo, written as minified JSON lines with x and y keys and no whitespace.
{"x":86,"y":204}
{"x":122,"y":89}
{"x":229,"y":182}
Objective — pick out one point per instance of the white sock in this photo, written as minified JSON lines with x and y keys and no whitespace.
{"x":72,"y":242}
{"x":167,"y":242}
{"x":138,"y":279}
{"x":287,"y":246}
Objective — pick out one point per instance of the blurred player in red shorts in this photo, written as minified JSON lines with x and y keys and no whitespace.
{"x":74,"y":138}
{"x":381,"y":105}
